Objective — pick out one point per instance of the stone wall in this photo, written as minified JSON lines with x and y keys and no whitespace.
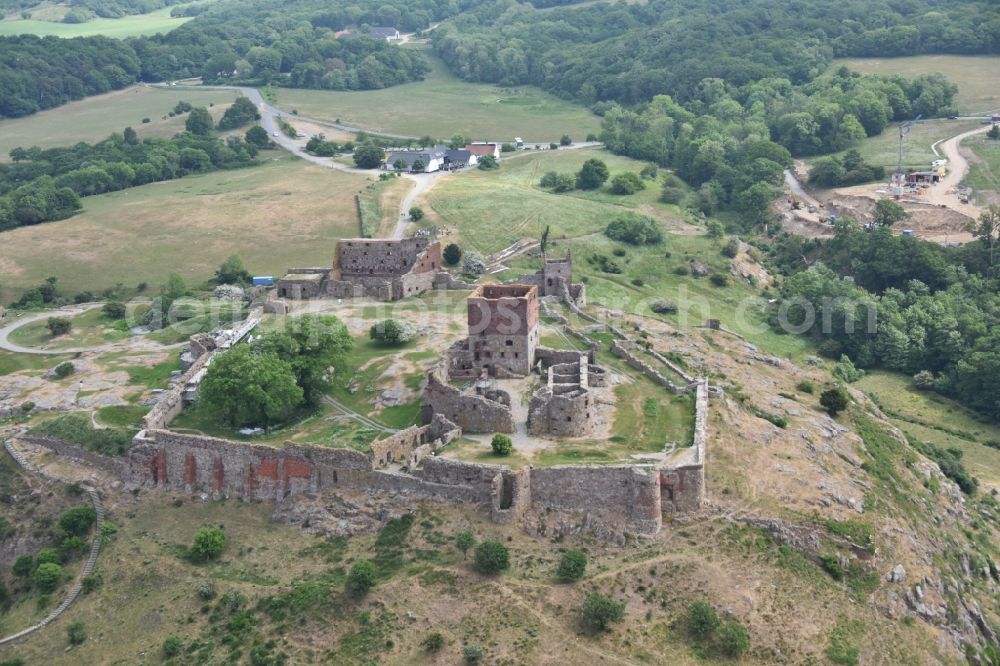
{"x":444,"y":280}
{"x":369,"y":257}
{"x":411,"y":445}
{"x":622,"y":348}
{"x":628,"y":493}
{"x":107,"y":464}
{"x":471,"y":412}
{"x":171,"y":401}
{"x":222,"y":468}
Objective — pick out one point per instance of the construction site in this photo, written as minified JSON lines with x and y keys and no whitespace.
{"x":938,"y":203}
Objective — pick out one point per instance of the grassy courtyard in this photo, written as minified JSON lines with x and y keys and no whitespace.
{"x":442,"y":105}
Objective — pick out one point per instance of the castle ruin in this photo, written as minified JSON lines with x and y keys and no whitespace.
{"x":387,"y":270}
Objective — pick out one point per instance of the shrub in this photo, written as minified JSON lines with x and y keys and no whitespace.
{"x":701,"y":620}
{"x":91,"y":582}
{"x":627,"y":183}
{"x":565,"y":140}
{"x":844,"y":370}
{"x":58,"y":326}
{"x":572,"y":566}
{"x":23,"y":566}
{"x":663,"y":307}
{"x":146,"y":120}
{"x":114,"y":310}
{"x":465,"y":540}
{"x":549,"y":179}
{"x":731,"y":248}
{"x":393,"y":332}
{"x":553,"y":146}
{"x":592,"y":138}
{"x":634,"y":229}
{"x":433,"y":643}
{"x":71,"y":548}
{"x":507,"y":148}
{"x":361,"y":579}
{"x":834,"y":400}
{"x":599,"y":611}
{"x":488,"y":162}
{"x":563,"y":182}
{"x":638,"y":282}
{"x":472,"y":653}
{"x":76,"y":632}
{"x":592,"y":174}
{"x":831,"y":565}
{"x":208,"y":544}
{"x":732,"y":639}
{"x":27,"y":406}
{"x":78,"y":520}
{"x":805,"y":387}
{"x":416,"y":214}
{"x":502,"y":445}
{"x":672,"y":195}
{"x":64,"y":369}
{"x":47,"y":576}
{"x":172,"y":646}
{"x":47,"y":555}
{"x":452,"y":254}
{"x":474,"y":263}
{"x":719,"y":279}
{"x":491,"y":557}
{"x":682,"y":270}
{"x":206,"y":590}
{"x":924,"y":380}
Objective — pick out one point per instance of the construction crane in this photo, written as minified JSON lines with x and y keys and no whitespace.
{"x":899,"y":178}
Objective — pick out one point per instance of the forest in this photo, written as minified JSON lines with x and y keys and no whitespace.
{"x":629,"y":53}
{"x":45,"y":185}
{"x":935,"y":310}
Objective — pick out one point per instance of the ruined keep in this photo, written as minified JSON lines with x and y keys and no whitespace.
{"x":378,"y":268}
{"x":503,"y":332}
{"x":564,"y":407}
{"x":556,"y":279}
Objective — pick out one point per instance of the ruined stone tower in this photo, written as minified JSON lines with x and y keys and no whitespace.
{"x":503,"y":328}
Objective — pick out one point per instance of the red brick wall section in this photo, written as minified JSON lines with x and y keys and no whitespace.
{"x":190,"y":470}
{"x":267,"y":469}
{"x":218,"y":475}
{"x":159,"y":464}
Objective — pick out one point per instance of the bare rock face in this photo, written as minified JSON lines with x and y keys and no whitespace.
{"x":336,"y":514}
{"x":897,"y":575}
{"x":699,"y":268}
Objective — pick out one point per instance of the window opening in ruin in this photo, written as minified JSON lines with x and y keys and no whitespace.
{"x":510,"y":343}
{"x":507,"y":492}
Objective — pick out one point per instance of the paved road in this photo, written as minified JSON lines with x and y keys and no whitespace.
{"x":12,"y":326}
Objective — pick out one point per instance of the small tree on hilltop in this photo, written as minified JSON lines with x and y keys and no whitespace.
{"x":399,"y":164}
{"x":361,"y":579}
{"x":502,"y":445}
{"x":565,"y":140}
{"x":491,"y":557}
{"x":474,"y":263}
{"x":457,"y":141}
{"x":834,"y":400}
{"x":418,"y":166}
{"x":599,"y":611}
{"x":452,"y":254}
{"x":488,"y":162}
{"x":114,"y":310}
{"x":572,"y":566}
{"x":58,"y":326}
{"x":246,"y":388}
{"x":232,"y":271}
{"x":994,"y":132}
{"x":208,"y":544}
{"x":76,"y":632}
{"x":464,"y":540}
{"x":416,"y":213}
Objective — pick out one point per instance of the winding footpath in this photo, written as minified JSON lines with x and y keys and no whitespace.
{"x":958,"y":168}
{"x":88,"y":566}
{"x":19,"y":322}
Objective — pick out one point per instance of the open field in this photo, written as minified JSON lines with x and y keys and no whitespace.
{"x":491,"y":210}
{"x":984,"y":169}
{"x":282,"y":213}
{"x":932,"y":418}
{"x":442,"y":105}
{"x":95,"y":118}
{"x":976,"y":76}
{"x":883,"y":150}
{"x":128,"y":26}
